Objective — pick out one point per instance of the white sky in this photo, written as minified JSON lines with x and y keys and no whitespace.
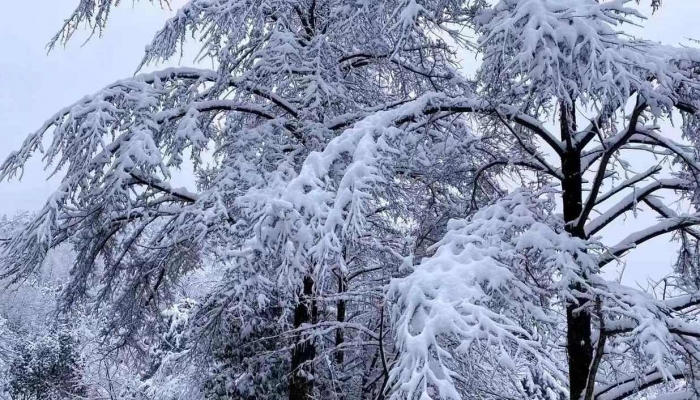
{"x":36,"y":84}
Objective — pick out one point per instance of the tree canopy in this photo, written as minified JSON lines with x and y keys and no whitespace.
{"x":371,"y":222}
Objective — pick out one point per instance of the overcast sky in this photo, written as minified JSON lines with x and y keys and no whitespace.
{"x":36,"y":84}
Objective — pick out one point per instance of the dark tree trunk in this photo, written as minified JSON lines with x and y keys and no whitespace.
{"x":579,"y":347}
{"x":339,"y":337}
{"x":300,"y":384}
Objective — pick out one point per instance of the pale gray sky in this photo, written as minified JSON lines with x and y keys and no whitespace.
{"x":35,"y":85}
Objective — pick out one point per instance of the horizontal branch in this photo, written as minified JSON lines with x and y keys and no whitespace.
{"x":482,"y":107}
{"x":682,"y":303}
{"x":665,"y":211}
{"x":363,"y":59}
{"x":345,"y":120}
{"x":631,"y":200}
{"x":665,"y":226}
{"x":686,"y":107}
{"x":212,"y":105}
{"x":182,"y":194}
{"x":628,"y":183}
{"x":627,"y":387}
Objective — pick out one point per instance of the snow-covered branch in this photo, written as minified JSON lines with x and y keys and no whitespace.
{"x":630,"y":201}
{"x":615,"y":144}
{"x":666,"y":225}
{"x":628,"y":183}
{"x":628,"y":387}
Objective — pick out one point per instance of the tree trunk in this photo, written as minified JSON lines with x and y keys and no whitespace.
{"x":301,"y":383}
{"x":578,"y":323}
{"x":339,"y":337}
{"x":579,"y":349}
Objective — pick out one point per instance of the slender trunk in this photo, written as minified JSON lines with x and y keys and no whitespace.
{"x":579,"y":347}
{"x":340,"y":316}
{"x":301,"y":383}
{"x":367,"y":389}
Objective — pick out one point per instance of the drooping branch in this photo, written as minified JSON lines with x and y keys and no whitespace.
{"x":554,"y":172}
{"x":644,"y":139}
{"x":538,"y":129}
{"x":675,"y":148}
{"x":213,"y":105}
{"x":504,"y":162}
{"x":222,"y":106}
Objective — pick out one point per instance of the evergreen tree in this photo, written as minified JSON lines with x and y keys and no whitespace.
{"x":49,"y":367}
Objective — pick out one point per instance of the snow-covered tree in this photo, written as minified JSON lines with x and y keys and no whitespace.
{"x":47,"y":368}
{"x":318,"y":173}
{"x":516,"y":300}
{"x":331,"y":143}
{"x":42,"y":356}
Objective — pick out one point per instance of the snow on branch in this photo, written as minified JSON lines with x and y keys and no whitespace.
{"x":627,"y":387}
{"x":319,"y":217}
{"x":574,"y":52}
{"x":470,"y":300}
{"x":666,"y":225}
{"x":628,"y":183}
{"x":630,"y":201}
